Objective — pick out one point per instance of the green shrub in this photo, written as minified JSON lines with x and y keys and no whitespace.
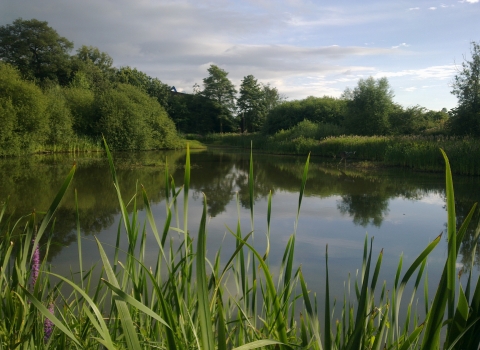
{"x":29,"y":105}
{"x":131,"y":120}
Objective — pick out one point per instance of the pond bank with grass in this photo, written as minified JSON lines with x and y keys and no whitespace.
{"x":416,"y":152}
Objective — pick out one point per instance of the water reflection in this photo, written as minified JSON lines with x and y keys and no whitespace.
{"x":364,"y":196}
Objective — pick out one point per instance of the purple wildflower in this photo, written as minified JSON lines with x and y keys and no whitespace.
{"x":48,"y":325}
{"x":35,"y":264}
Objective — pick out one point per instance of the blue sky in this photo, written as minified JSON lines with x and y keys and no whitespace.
{"x":304,"y":48}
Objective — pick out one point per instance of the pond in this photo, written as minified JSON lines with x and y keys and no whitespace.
{"x":403,"y":210}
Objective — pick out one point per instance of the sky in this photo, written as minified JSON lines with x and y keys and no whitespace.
{"x":303,"y":48}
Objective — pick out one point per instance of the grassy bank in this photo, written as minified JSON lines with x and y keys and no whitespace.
{"x":417,"y":152}
{"x":185,"y":302}
{"x":86,"y":145}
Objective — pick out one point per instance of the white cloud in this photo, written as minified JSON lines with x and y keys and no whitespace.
{"x":434,"y":72}
{"x":432,"y":8}
{"x":413,"y":8}
{"x":410,"y":89}
{"x":401,"y":45}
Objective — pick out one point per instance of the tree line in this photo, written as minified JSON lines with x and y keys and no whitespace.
{"x":49,"y":97}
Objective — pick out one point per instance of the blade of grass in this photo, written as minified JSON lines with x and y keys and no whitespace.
{"x":46,"y":313}
{"x":131,"y":336}
{"x":204,"y":315}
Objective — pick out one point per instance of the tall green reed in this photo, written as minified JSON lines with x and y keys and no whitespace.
{"x":184,"y":300}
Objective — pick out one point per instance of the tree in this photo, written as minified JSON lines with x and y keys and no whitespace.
{"x":325,"y":110}
{"x":271,"y":97}
{"x":218,"y":88}
{"x":23,"y":112}
{"x":92,"y":54}
{"x":132,"y":120}
{"x":466,"y":86}
{"x":250,"y":105}
{"x":36,"y":50}
{"x":368,"y":107}
{"x":152,"y":86}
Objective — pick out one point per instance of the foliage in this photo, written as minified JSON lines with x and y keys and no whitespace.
{"x":60,"y":130}
{"x":218,"y":88}
{"x":249,"y":104}
{"x":466,"y":86}
{"x":26,"y":105}
{"x":185,"y":302}
{"x":132,"y":120}
{"x":196,"y":114}
{"x":152,"y":86}
{"x":327,"y":110}
{"x":368,"y":107}
{"x":415,"y":120}
{"x":271,"y":98}
{"x":93,"y":55}
{"x":80,"y":100}
{"x":36,"y":50}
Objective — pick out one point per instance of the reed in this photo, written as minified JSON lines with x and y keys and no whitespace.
{"x":417,"y":152}
{"x":184,"y":301}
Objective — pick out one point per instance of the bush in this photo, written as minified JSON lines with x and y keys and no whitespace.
{"x":25,"y":102}
{"x":60,"y":118}
{"x":131,"y":120}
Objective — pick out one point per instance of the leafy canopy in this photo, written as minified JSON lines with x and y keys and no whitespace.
{"x":36,"y":50}
{"x":466,"y":86}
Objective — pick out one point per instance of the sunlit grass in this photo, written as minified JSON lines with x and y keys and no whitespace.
{"x":185,"y":302}
{"x":417,"y":152}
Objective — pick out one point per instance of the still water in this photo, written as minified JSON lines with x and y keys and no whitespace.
{"x":401,"y":209}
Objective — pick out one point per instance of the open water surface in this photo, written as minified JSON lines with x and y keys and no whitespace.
{"x":403,"y":210}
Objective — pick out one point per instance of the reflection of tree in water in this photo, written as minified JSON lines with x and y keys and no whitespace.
{"x":212,"y":175}
{"x":364,"y":208}
{"x":471,"y":239}
{"x":220,"y":175}
{"x":34,"y":183}
{"x":261,"y":186}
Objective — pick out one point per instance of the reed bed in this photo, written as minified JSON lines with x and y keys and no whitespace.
{"x":417,"y":152}
{"x":183,"y":302}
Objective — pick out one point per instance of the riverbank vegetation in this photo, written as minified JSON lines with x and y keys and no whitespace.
{"x":184,"y":301}
{"x":416,"y":152}
{"x":52,"y":101}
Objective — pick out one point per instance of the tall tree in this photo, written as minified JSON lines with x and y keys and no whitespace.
{"x":36,"y":50}
{"x":271,"y":97}
{"x":368,"y":107}
{"x":466,"y":86}
{"x":250,"y":105}
{"x":218,"y":88}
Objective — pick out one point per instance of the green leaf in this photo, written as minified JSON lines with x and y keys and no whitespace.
{"x":46,"y":313}
{"x":204,"y":315}
{"x":131,"y":336}
{"x":53,"y":207}
{"x":258,"y":344}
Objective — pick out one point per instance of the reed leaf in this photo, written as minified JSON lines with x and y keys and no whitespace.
{"x":328,"y":330}
{"x":131,"y":336}
{"x":204,"y":314}
{"x":46,"y":313}
{"x":258,"y":344}
{"x":52,"y":209}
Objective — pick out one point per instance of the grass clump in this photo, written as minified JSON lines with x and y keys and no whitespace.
{"x":183,"y":301}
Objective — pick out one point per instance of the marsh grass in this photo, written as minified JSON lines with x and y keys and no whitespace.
{"x":417,"y":152}
{"x":185,"y":302}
